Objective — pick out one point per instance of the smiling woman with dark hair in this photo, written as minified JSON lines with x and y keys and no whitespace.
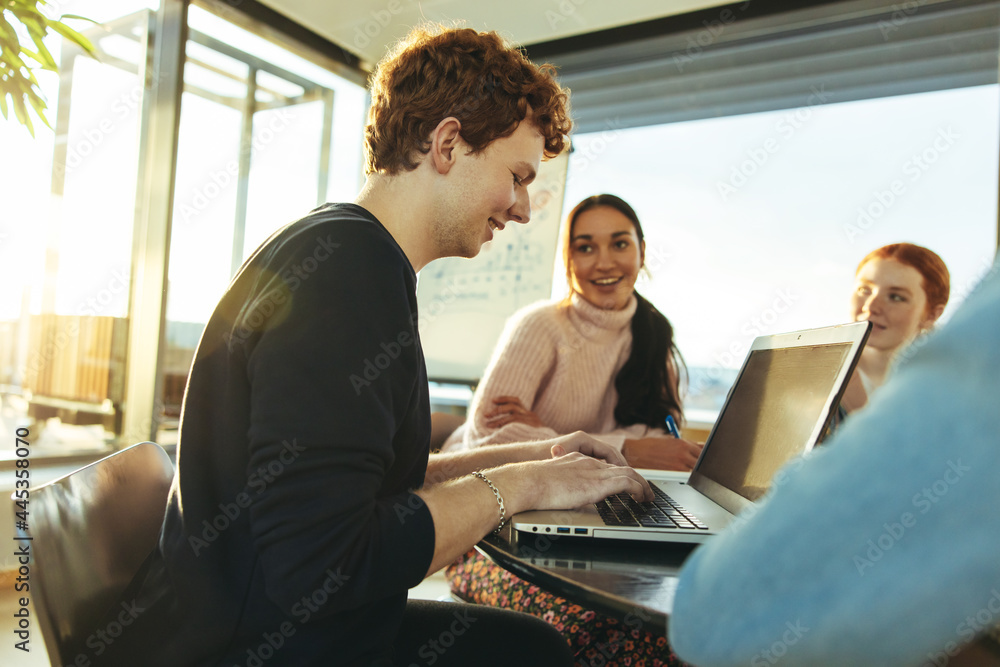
{"x":602,"y":361}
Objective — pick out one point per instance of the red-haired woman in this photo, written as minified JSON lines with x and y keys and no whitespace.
{"x":902,"y":289}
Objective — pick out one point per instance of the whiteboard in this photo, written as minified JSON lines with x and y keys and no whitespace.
{"x":464,"y":303}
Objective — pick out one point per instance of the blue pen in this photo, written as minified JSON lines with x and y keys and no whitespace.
{"x":672,"y":426}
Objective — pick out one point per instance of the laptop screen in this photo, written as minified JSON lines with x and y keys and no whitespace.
{"x":771,"y":414}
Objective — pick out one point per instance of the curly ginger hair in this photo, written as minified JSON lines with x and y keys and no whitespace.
{"x":438,"y":72}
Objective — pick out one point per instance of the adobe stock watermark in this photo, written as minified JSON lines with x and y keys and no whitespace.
{"x":757,"y":157}
{"x":303,"y":610}
{"x":958,"y":295}
{"x":122,"y":108}
{"x":566,"y":9}
{"x":923,"y":502}
{"x":447,"y":470}
{"x":379,"y":21}
{"x":901,"y":15}
{"x":793,"y":633}
{"x":219,"y":180}
{"x":913,"y":170}
{"x":708,"y":35}
{"x":404,"y":512}
{"x":105,"y":297}
{"x":258,"y":481}
{"x":972,"y":626}
{"x":372,"y":366}
{"x":581,"y":158}
{"x":142,"y":430}
{"x":100,"y":640}
{"x":786,"y":473}
{"x":432,"y":650}
{"x":269,"y":302}
{"x":783,"y":301}
{"x":607,"y":653}
{"x":68,"y":330}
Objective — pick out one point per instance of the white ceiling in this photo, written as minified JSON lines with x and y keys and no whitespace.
{"x":367,"y":27}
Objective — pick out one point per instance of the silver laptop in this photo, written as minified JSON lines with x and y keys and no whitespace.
{"x":781,"y":403}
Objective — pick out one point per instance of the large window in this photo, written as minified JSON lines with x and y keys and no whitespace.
{"x":257,"y":127}
{"x":755,"y":223}
{"x":69,"y":198}
{"x":264,"y":136}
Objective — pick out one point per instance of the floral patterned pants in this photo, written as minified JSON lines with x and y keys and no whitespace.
{"x":595,"y":639}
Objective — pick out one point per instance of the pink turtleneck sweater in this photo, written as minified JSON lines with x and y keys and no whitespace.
{"x":560,"y":360}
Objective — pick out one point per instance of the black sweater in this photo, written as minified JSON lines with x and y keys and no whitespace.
{"x":292,"y":534}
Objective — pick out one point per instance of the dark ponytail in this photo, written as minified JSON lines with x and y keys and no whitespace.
{"x":647,"y":391}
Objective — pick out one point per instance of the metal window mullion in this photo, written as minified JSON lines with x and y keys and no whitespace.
{"x":326,"y":149}
{"x":164,"y":78}
{"x":243,"y":180}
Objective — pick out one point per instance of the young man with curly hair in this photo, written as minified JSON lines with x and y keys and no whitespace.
{"x":306,"y":502}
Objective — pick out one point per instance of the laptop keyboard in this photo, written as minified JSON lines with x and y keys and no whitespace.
{"x":662,"y":512}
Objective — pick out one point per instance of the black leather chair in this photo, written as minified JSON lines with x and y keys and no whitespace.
{"x":91,"y":530}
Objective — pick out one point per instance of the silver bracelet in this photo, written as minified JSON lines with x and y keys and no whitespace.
{"x":496,"y":492}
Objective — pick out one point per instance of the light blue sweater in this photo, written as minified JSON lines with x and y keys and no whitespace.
{"x":883,"y":546}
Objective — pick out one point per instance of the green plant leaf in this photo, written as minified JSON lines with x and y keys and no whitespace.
{"x":74,"y":37}
{"x":7,"y":33}
{"x":31,"y":54}
{"x":37,"y":25}
{"x":38,"y":104}
{"x":28,"y":18}
{"x":20,"y":110}
{"x":28,"y":76}
{"x":48,"y":62}
{"x":44,"y":61}
{"x":17,"y":63}
{"x":77,"y":17}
